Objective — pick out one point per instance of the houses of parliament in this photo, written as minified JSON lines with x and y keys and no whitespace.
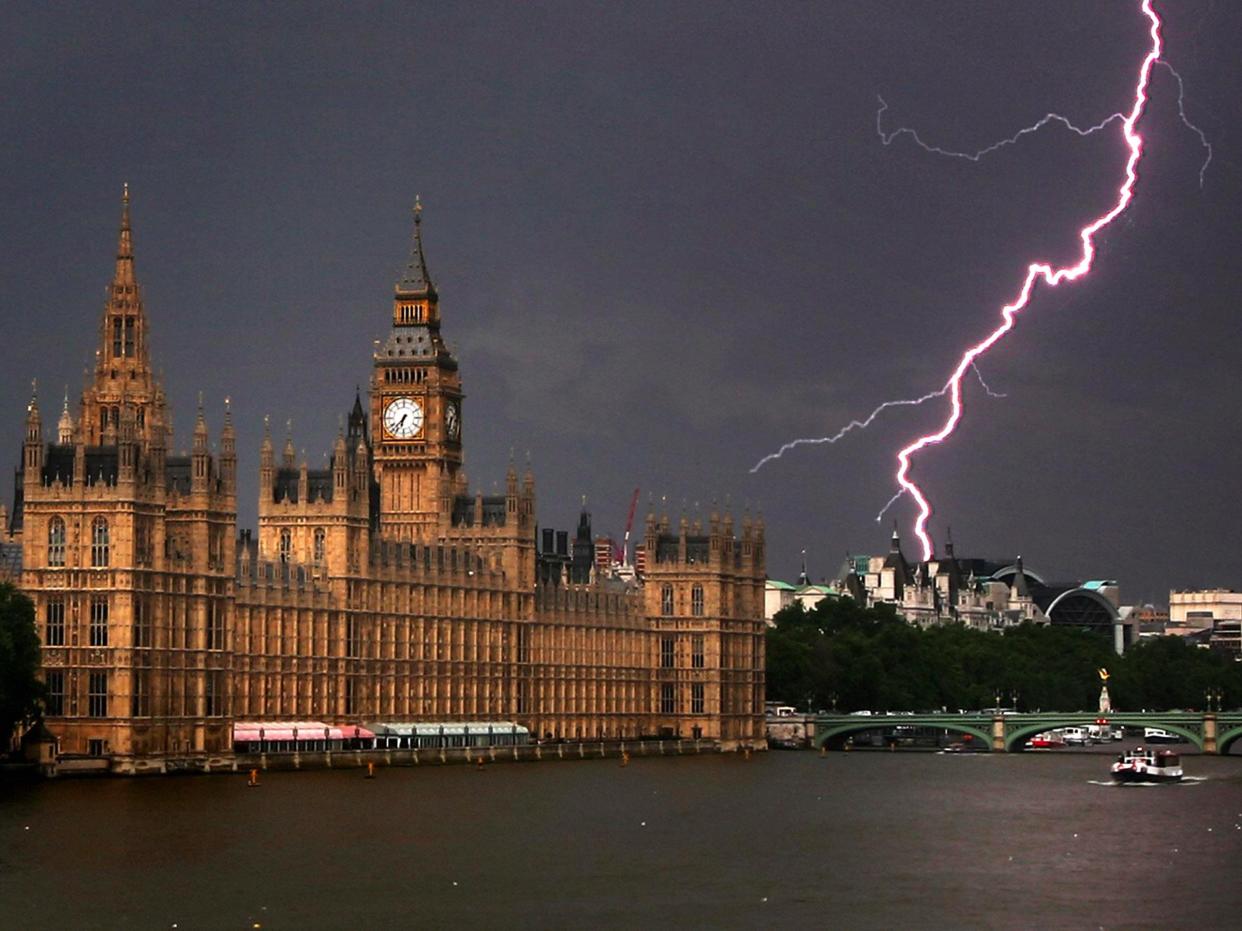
{"x":381,"y":588}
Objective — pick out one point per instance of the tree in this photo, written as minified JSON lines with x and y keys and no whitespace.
{"x":842,"y":655}
{"x":21,"y":691}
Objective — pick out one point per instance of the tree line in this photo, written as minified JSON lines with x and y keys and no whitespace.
{"x":21,"y":691}
{"x":840,"y":655}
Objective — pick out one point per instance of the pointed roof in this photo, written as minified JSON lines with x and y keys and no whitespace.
{"x":66,"y":419}
{"x":1019,"y":587}
{"x":356,"y":429}
{"x":32,"y":408}
{"x":124,"y":274}
{"x":416,"y":280}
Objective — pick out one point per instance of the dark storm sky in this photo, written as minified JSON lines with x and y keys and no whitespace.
{"x":667,"y":239}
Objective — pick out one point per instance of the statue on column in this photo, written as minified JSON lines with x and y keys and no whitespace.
{"x":1105,"y":704}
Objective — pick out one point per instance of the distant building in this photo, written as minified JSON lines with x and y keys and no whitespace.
{"x":604,"y":553}
{"x":810,"y":595}
{"x":777,"y":596}
{"x":986,"y":594}
{"x":1151,"y":619}
{"x":1214,"y":614}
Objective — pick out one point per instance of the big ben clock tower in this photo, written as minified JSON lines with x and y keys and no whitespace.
{"x":415,"y":409}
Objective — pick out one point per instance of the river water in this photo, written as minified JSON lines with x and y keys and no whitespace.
{"x":849,"y":840}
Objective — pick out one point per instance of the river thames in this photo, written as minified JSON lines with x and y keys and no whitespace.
{"x":850,"y":840}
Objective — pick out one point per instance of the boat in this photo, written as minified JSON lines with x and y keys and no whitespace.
{"x":1076,"y":737}
{"x":1147,"y":765}
{"x":786,"y":743}
{"x":1046,"y":740}
{"x":1158,"y":735}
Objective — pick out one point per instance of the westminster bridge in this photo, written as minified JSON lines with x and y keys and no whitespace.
{"x":1209,"y":731}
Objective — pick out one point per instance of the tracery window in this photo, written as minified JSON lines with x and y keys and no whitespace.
{"x":666,"y":600}
{"x":97,"y":695}
{"x":54,"y":633}
{"x":213,"y":694}
{"x":56,"y":542}
{"x":319,"y":544}
{"x":140,"y":693}
{"x":142,"y":621}
{"x":55,"y":679}
{"x":696,"y":601}
{"x":286,"y":545}
{"x":99,"y":620}
{"x":99,"y":542}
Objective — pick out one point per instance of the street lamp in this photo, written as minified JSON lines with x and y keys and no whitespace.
{"x":1214,"y":694}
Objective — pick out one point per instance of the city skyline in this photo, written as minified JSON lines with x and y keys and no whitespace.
{"x":580,"y":199}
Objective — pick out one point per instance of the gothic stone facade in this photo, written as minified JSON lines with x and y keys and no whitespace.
{"x":378,"y":589}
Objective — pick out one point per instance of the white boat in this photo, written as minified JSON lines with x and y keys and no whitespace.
{"x":1076,"y":737}
{"x":1147,"y":765}
{"x":1158,"y":735}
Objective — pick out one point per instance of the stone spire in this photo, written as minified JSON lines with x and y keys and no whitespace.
{"x":124,"y":274}
{"x":64,"y":429}
{"x":228,"y":449}
{"x":416,"y":281}
{"x":200,"y":457}
{"x":266,"y":459}
{"x":122,"y":359}
{"x":33,"y":421}
{"x":32,"y":461}
{"x":124,"y":328}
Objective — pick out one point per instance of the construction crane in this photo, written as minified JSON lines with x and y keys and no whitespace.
{"x":624,"y":557}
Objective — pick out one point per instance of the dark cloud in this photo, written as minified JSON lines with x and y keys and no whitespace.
{"x":667,"y":240}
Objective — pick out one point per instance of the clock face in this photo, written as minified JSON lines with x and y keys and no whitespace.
{"x":403,"y":418}
{"x":452,"y":421}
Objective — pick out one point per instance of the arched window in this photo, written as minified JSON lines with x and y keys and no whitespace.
{"x":56,"y":542}
{"x":286,"y":545}
{"x":319,"y":544}
{"x":666,"y":600}
{"x":99,"y":542}
{"x":696,"y":601}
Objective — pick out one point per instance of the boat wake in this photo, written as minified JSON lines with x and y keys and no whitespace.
{"x":1185,"y":780}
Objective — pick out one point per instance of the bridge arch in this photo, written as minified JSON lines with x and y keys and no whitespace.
{"x":1225,"y":740}
{"x":844,"y":729}
{"x":1015,"y":740}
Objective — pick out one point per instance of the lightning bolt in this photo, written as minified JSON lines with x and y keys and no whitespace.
{"x":1181,"y":112}
{"x":864,"y":423}
{"x":953,"y":386}
{"x":887,"y":138}
{"x":1035,"y":272}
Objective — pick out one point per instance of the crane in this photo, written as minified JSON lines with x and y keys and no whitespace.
{"x":629,"y":523}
